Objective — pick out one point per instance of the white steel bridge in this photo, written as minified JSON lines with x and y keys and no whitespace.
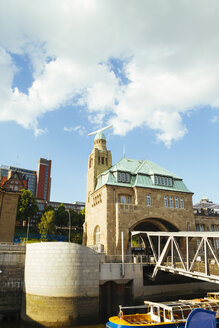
{"x":192,"y":254}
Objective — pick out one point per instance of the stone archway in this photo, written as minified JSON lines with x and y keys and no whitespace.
{"x":150,"y":224}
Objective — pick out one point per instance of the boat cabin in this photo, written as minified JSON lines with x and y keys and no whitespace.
{"x":179,"y":310}
{"x":213,"y":295}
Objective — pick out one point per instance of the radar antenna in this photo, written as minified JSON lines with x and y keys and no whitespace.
{"x":100,"y":130}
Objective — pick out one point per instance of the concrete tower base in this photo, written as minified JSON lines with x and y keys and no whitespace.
{"x":61,"y":285}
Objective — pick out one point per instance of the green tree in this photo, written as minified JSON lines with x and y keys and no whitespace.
{"x":61,"y":216}
{"x":47,"y":224}
{"x":48,"y":208}
{"x":27,"y":206}
{"x":77,"y":219}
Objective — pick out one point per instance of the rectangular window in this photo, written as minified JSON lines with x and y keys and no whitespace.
{"x":176,"y":202}
{"x":181,"y":203}
{"x":102,"y":160}
{"x":127,"y":177}
{"x":155,"y":179}
{"x":148,"y":200}
{"x":214,"y":227}
{"x":165,"y":201}
{"x":171,"y":201}
{"x":200,"y":227}
{"x":188,"y":226}
{"x":123,"y":177}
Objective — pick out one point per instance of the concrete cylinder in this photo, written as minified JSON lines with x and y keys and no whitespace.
{"x":61,"y":284}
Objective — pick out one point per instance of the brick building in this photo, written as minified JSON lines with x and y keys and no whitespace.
{"x":38,"y":182}
{"x":43,"y":179}
{"x":14,"y":182}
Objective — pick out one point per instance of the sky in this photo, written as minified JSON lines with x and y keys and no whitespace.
{"x":148,"y":67}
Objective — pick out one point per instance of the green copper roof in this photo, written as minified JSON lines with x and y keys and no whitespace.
{"x":100,"y":135}
{"x":141,"y":174}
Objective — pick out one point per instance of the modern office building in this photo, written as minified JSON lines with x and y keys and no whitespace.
{"x":43,"y":179}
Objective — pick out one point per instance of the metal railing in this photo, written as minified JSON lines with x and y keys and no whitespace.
{"x":144,"y":259}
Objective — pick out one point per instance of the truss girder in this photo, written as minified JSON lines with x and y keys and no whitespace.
{"x":191,"y":253}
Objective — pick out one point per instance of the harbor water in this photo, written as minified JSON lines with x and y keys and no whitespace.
{"x":19,"y":324}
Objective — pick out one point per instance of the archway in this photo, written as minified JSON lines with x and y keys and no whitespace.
{"x":141,"y":244}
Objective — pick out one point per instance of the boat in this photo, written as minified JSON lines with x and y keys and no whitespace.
{"x":213,"y":295}
{"x":171,"y":314}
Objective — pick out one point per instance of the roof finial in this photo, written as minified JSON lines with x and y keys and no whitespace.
{"x":124,"y":151}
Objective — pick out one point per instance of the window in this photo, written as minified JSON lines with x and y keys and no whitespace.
{"x":165,"y":201}
{"x":181,"y":203}
{"x":123,"y":177}
{"x":200,"y":227}
{"x":102,"y":158}
{"x":214,"y":227}
{"x":163,"y":181}
{"x":188,"y":226}
{"x":176,"y":202}
{"x":97,"y":235}
{"x":148,"y":200}
{"x":171,"y":201}
{"x":124,"y":199}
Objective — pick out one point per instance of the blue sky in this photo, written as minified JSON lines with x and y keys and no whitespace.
{"x":68,"y":68}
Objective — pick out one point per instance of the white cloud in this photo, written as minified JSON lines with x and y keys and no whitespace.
{"x":80,"y":129}
{"x":169,"y":52}
{"x":214,"y":119}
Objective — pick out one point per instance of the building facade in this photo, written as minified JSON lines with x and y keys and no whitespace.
{"x":131,"y":195}
{"x":38,"y":182}
{"x":43,"y":179}
{"x":29,"y":175}
{"x":8,"y":211}
{"x":14,"y":182}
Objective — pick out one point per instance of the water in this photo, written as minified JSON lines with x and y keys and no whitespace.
{"x":18,"y":324}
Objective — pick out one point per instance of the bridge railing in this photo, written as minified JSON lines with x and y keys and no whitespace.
{"x":144,"y":259}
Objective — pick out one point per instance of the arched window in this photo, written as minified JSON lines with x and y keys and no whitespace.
{"x":97,"y":235}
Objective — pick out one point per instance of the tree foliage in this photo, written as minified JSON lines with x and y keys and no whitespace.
{"x":61,"y":216}
{"x":47,"y":224}
{"x":27,"y":206}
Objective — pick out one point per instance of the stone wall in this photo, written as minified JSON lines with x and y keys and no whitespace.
{"x":12,"y":260}
{"x":113,"y":217}
{"x":8,"y":210}
{"x":164,"y":291}
{"x":61,"y":284}
{"x":207,"y":221}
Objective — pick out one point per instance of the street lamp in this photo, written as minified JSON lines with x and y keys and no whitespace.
{"x":69,"y":226}
{"x":28,"y":224}
{"x":28,"y":227}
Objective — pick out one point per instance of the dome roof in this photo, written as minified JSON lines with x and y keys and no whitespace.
{"x":100,"y":135}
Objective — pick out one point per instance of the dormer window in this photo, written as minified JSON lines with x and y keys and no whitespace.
{"x":163,"y":181}
{"x":123,"y":177}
